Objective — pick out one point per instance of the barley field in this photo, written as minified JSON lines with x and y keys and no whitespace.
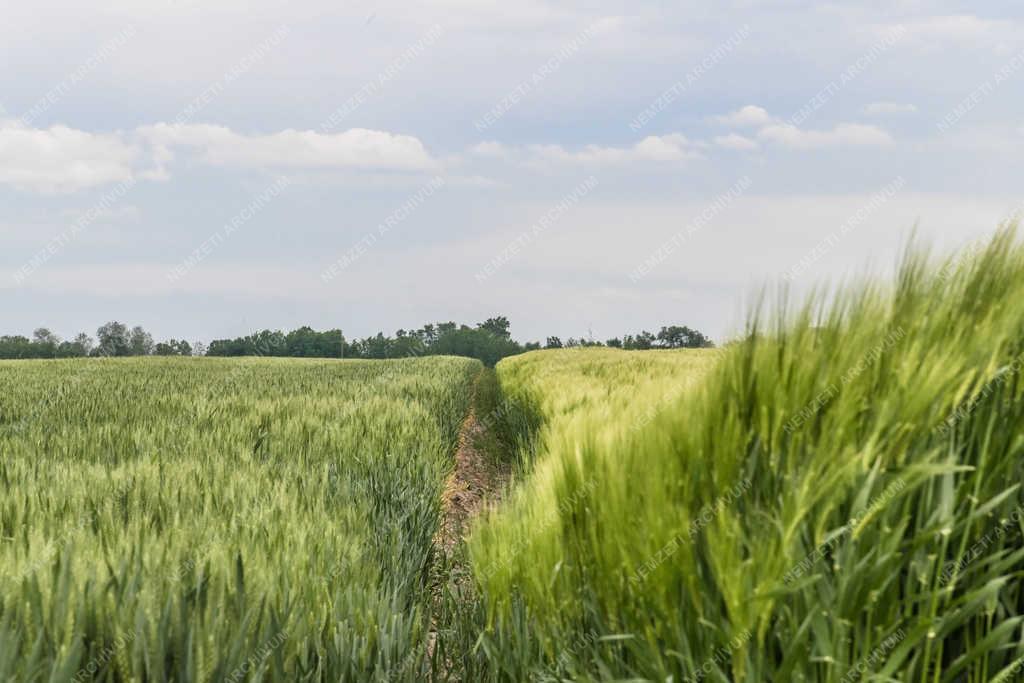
{"x":837,"y":499}
{"x":215,"y":520}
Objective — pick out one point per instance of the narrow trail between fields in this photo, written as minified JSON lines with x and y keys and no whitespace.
{"x":477,"y":480}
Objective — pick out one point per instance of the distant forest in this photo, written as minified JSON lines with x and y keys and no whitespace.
{"x":489,"y":341}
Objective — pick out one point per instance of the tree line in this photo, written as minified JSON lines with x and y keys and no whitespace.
{"x":112,"y":339}
{"x":489,"y":341}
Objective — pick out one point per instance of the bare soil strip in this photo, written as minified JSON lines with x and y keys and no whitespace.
{"x":473,"y":483}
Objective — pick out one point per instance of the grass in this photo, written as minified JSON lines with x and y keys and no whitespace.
{"x":839,"y":499}
{"x":200,"y":519}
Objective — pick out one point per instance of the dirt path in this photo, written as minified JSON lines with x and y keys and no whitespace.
{"x":475,"y":482}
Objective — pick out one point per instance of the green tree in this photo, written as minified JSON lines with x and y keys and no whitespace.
{"x":497,"y":326}
{"x":641,"y":342}
{"x":173,"y":347}
{"x":84,"y":343}
{"x":140,"y":341}
{"x":44,"y":344}
{"x":114,"y":340}
{"x":682,"y":337}
{"x":302,"y":343}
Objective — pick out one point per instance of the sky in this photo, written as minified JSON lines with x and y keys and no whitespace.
{"x":587,"y":169}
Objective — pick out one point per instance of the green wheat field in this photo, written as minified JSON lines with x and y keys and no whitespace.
{"x":834,"y":496}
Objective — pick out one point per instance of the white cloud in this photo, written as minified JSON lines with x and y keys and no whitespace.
{"x":358,"y":147}
{"x":748,"y":116}
{"x":960,"y":27}
{"x":787,"y":134}
{"x":491,"y":149}
{"x":656,"y":148}
{"x":882,"y":108}
{"x":844,"y":134}
{"x":735,"y":141}
{"x":61,"y":159}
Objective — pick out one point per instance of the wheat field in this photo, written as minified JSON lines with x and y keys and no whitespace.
{"x":834,"y":496}
{"x":212,"y":520}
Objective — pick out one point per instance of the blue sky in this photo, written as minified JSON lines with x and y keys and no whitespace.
{"x":584,"y":168}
